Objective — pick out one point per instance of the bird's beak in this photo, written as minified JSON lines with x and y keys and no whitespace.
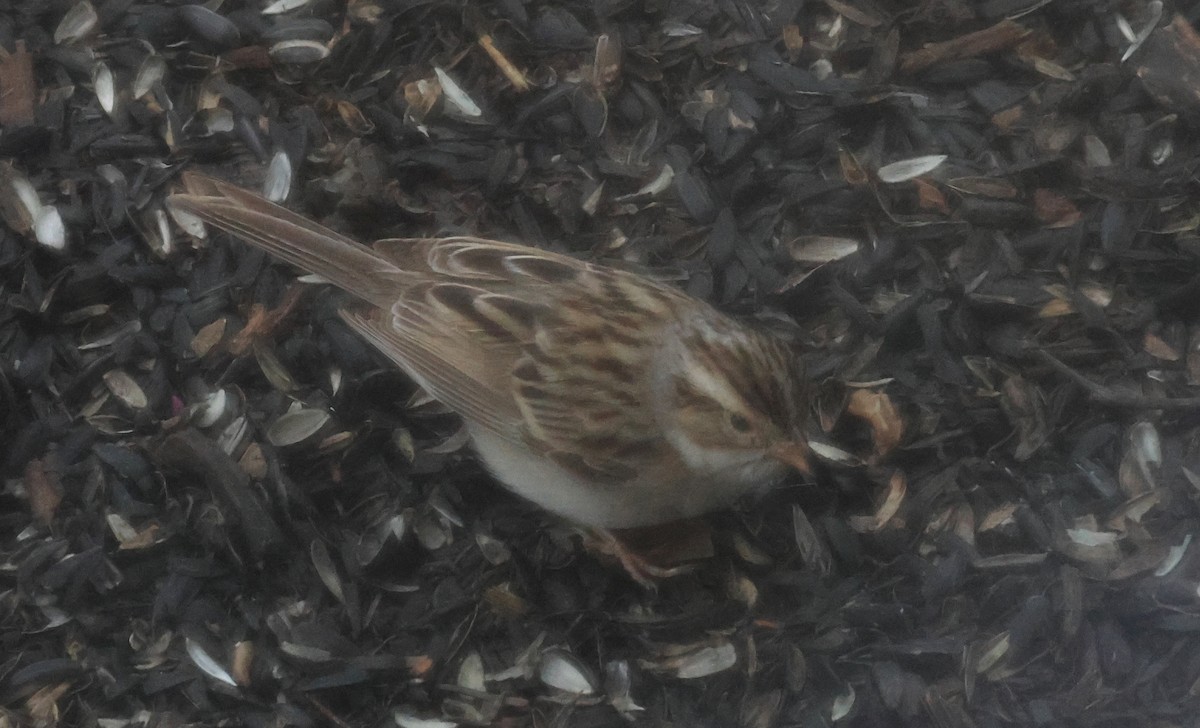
{"x":795,"y":454}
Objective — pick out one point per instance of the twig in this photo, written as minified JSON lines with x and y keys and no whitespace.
{"x":510,"y":71}
{"x":325,"y":711}
{"x":998,"y":37}
{"x":1114,"y":398}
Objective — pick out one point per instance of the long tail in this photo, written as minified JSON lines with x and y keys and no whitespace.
{"x":291,"y":237}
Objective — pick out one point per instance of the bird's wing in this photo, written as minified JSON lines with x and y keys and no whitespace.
{"x":579,"y":338}
{"x":451,"y":366}
{"x":538,"y":347}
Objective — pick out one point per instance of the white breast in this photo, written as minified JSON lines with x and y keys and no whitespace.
{"x":668,"y":497}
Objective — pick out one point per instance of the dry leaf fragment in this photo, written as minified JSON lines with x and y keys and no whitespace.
{"x":1055,"y":210}
{"x":128,"y":537}
{"x":506,"y":603}
{"x":1007,"y":119}
{"x":929,"y":197}
{"x":887,"y":426}
{"x":1153,"y":345}
{"x":17,"y":87}
{"x":793,"y":41}
{"x":998,"y":517}
{"x":44,"y":491}
{"x":996,"y":187}
{"x":263,"y":322}
{"x":852,"y":171}
{"x":1055,"y":308}
{"x":243,"y":659}
{"x":705,"y":661}
{"x":42,"y":706}
{"x":125,"y":389}
{"x":209,"y":336}
{"x":1051,"y":69}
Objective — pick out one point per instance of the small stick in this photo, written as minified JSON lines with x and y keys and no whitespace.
{"x":510,"y":71}
{"x":1004,"y":34}
{"x":1114,"y":398}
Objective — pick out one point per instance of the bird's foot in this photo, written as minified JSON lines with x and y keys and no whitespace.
{"x":650,"y":554}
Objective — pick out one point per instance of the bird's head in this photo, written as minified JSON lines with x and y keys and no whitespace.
{"x":732,"y":400}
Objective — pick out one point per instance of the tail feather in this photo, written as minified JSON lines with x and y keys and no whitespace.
{"x":291,"y":237}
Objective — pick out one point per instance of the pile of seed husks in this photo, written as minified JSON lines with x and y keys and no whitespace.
{"x":220,"y":507}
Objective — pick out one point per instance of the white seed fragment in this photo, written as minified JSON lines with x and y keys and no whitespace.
{"x":296,"y":427}
{"x":284,"y":6}
{"x":907,"y":169}
{"x":152,"y":71}
{"x":48,"y":228}
{"x":77,"y":24}
{"x":105,"y":86}
{"x":842,"y":705}
{"x":125,"y":389}
{"x":456,"y":96}
{"x":278,"y":182}
{"x":561,"y":670}
{"x":407,"y":719}
{"x":298,"y":52}
{"x":470,"y":673}
{"x":706,"y":661}
{"x":1174,"y":556}
{"x":208,"y":665}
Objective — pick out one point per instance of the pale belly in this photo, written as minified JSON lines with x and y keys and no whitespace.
{"x":638,"y":503}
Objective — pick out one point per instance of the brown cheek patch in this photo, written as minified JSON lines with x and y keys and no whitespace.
{"x":701,"y":423}
{"x":768,"y":395}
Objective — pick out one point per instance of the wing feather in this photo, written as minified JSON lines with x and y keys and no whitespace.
{"x":443,"y":369}
{"x":539,"y":348}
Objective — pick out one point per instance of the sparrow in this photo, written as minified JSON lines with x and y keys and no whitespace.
{"x":605,"y":397}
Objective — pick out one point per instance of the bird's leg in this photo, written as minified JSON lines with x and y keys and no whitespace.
{"x":642,"y":552}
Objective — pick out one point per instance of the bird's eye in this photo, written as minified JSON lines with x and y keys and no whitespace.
{"x":739,"y":423}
